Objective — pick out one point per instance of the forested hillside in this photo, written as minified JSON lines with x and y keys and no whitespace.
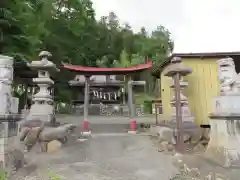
{"x":70,"y":31}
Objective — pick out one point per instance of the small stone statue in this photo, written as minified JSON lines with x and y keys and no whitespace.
{"x":228,"y":77}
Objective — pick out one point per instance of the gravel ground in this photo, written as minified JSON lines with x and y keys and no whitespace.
{"x":107,"y":157}
{"x":204,"y":167}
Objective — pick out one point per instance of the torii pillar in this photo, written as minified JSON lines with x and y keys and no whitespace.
{"x":85,"y":127}
{"x":131,"y":104}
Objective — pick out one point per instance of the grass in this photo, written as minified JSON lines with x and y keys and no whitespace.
{"x":3,"y":175}
{"x":53,"y":176}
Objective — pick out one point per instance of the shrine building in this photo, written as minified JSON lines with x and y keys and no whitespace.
{"x":98,"y":85}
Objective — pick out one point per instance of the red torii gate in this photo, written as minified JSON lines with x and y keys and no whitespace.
{"x":89,"y":71}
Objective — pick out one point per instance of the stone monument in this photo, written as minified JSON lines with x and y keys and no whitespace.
{"x":43,"y":106}
{"x":223,"y":147}
{"x":8,"y":116}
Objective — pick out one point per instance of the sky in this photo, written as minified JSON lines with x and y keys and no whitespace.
{"x":196,"y":25}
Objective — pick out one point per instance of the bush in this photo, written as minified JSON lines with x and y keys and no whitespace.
{"x":148,"y":107}
{"x":146,"y":100}
{"x":63,"y":109}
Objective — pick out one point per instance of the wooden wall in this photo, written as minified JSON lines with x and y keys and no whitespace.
{"x":203,"y":86}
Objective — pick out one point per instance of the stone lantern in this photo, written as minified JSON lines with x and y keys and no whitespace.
{"x":43,"y":106}
{"x":177,"y":68}
{"x":181,"y":121}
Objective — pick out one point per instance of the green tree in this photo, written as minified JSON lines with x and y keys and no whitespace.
{"x":14,"y":16}
{"x":123,"y":61}
{"x":69,"y":30}
{"x":103,"y":62}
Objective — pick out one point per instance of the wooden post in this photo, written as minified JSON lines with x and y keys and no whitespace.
{"x":156,"y":113}
{"x":25,"y":96}
{"x":180,"y":143}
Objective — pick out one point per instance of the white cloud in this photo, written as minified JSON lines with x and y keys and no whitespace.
{"x":196,"y":25}
{"x":140,"y":13}
{"x":210,"y":25}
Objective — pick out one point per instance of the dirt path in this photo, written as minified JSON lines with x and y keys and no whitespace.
{"x":108,"y":157}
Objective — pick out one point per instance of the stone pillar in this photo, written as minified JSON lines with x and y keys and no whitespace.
{"x":8,"y":124}
{"x":132,"y":128}
{"x":86,"y":98}
{"x":223,"y":147}
{"x":6,"y":78}
{"x":25,"y":96}
{"x":130,"y":100}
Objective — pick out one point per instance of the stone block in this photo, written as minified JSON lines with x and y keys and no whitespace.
{"x":170,"y":147}
{"x":32,"y":136}
{"x":8,"y":137}
{"x":53,"y":146}
{"x":14,"y":159}
{"x":196,"y":136}
{"x":186,"y":137}
{"x":153,"y":130}
{"x":43,"y":146}
{"x":32,"y":123}
{"x":49,"y":134}
{"x":23,"y":133}
{"x":8,"y":129}
{"x":199,"y":148}
{"x":12,"y":128}
{"x":223,"y":147}
{"x":59,"y":133}
{"x":205,"y":133}
{"x":166,"y":134}
{"x":165,"y":147}
{"x":14,"y":105}
{"x":226,"y":105}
